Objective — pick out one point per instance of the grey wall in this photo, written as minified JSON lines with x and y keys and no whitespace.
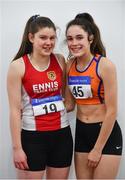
{"x":110,"y":17}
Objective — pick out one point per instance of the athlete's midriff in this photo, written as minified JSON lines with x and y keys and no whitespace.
{"x":91,"y":113}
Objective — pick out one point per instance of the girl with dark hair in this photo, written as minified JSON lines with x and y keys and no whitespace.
{"x":40,"y":130}
{"x":92,"y":86}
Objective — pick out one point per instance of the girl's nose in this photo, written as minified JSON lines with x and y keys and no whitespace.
{"x":48,"y":41}
{"x":74,"y":42}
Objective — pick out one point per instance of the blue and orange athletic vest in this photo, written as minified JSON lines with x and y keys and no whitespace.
{"x":86,"y":86}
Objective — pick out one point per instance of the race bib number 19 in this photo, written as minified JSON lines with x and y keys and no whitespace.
{"x":80,"y":86}
{"x":47,"y":105}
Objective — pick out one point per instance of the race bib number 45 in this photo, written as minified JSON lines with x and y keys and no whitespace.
{"x":80,"y":86}
{"x":47,"y":105}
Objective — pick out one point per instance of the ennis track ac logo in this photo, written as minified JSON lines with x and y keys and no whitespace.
{"x":51,"y":75}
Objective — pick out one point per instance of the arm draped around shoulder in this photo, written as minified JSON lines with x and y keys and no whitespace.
{"x":61,"y":61}
{"x":69,"y":99}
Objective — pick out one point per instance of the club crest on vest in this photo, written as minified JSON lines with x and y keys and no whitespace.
{"x":51,"y":75}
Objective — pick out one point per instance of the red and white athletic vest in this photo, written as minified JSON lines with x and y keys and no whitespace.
{"x":42,"y":103}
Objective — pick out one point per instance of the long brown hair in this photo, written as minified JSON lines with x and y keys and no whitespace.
{"x":87,"y":23}
{"x":33,"y":25}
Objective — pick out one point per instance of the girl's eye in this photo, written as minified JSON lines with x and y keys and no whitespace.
{"x":53,"y":38}
{"x":69,"y":39}
{"x":79,"y":37}
{"x":43,"y":37}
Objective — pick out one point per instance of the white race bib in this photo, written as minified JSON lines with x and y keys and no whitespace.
{"x":47,"y":105}
{"x":80,"y":86}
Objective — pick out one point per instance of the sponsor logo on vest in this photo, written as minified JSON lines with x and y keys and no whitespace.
{"x":45,"y":87}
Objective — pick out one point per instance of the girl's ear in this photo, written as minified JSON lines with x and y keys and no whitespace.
{"x":91,"y":38}
{"x":31,"y":37}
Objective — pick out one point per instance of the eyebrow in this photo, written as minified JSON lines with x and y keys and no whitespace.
{"x":44,"y":35}
{"x":75,"y":35}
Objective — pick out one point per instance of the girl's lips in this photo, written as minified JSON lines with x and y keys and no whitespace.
{"x":76,"y":49}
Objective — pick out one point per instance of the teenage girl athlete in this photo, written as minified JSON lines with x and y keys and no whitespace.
{"x":41,"y":135}
{"x":93,"y":85}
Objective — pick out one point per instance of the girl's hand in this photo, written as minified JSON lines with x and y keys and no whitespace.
{"x":20,"y":159}
{"x":93,"y":158}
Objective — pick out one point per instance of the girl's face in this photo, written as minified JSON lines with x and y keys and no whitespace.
{"x":77,"y":40}
{"x":43,"y":41}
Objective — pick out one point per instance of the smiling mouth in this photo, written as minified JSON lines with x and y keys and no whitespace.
{"x":76,"y":49}
{"x":47,"y":49}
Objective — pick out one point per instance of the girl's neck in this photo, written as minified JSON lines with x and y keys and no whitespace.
{"x":39,"y":62}
{"x":83,"y":62}
{"x":39,"y":59}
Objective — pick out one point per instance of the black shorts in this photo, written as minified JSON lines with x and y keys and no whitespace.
{"x":50,"y":148}
{"x":87,"y":134}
